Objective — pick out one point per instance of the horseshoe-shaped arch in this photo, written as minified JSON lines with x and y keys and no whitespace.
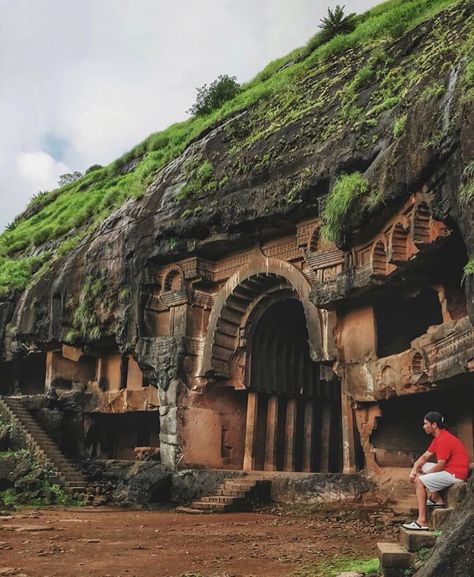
{"x":235,"y":299}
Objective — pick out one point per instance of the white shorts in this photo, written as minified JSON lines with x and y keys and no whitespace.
{"x":438,"y":481}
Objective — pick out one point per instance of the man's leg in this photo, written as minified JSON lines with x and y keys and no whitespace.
{"x":420,"y":490}
{"x":433,"y":495}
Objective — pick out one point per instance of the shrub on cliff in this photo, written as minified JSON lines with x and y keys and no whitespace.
{"x":336,"y":22}
{"x":212,"y":97}
{"x":341,"y":204}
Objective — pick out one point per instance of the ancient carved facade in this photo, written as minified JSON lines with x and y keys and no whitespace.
{"x":290,"y":354}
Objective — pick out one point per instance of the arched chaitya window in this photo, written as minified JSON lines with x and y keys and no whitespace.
{"x":379,"y":259}
{"x":313,"y":244}
{"x":421,"y":223}
{"x":399,"y":244}
{"x":173,"y":281}
{"x":418,"y":364}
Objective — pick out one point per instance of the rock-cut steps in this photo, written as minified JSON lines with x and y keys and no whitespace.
{"x":236,"y":494}
{"x":40,"y":443}
{"x":397,"y":559}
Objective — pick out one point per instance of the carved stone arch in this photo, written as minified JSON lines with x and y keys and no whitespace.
{"x":237,"y":298}
{"x":379,"y":259}
{"x":421,"y":218}
{"x":239,"y":361}
{"x":419,"y":363}
{"x":314,"y":239}
{"x":173,"y":279}
{"x":399,"y":243}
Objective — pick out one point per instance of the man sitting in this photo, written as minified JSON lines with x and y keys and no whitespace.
{"x":452,"y":466}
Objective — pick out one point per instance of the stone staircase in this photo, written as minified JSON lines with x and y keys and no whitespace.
{"x":46,"y":451}
{"x":397,"y":559}
{"x":236,"y":494}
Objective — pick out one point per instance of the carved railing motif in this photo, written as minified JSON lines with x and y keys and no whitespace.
{"x":342,"y":284}
{"x":166,"y":300}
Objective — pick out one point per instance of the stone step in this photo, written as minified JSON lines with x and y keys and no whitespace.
{"x":239,"y":485}
{"x":230,"y":493}
{"x":393,"y":556}
{"x":210,"y":506}
{"x":439,"y":517}
{"x":44,"y":447}
{"x":455,"y":495}
{"x":189,"y":510}
{"x":405,"y":508}
{"x":219,"y":499}
{"x":415,"y":540}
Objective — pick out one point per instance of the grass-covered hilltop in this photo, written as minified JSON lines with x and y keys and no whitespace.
{"x":364,"y":116}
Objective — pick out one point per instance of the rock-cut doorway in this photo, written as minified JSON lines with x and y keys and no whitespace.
{"x":293,"y":420}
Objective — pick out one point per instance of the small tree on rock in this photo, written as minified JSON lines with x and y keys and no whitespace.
{"x":211,"y":97}
{"x":69,"y":177}
{"x":336,"y":22}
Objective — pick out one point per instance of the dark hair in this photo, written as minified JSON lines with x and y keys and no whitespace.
{"x":434,"y":417}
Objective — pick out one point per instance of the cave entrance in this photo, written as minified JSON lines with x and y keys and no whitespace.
{"x":401,"y":319}
{"x":30,"y":374}
{"x":116,"y":436}
{"x":293,"y":420}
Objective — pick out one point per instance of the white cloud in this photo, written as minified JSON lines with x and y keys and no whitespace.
{"x":96,"y":77}
{"x":40,"y":169}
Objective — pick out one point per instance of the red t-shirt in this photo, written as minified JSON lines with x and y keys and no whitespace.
{"x":449,"y":448}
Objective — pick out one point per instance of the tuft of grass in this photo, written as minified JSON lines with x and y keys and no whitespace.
{"x":341,"y":203}
{"x":466,"y":192}
{"x":97,"y":296}
{"x":200,"y":182}
{"x":433,"y":91}
{"x":399,"y":126}
{"x":335,"y":566}
{"x":15,"y":274}
{"x":468,"y":269}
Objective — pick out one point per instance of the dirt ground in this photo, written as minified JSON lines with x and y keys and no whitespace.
{"x":110,"y":542}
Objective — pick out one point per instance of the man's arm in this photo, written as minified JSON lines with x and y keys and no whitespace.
{"x":439,"y":466}
{"x":419,"y":464}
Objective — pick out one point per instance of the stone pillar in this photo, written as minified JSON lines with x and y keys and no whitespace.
{"x":49,"y":371}
{"x":308,"y":437}
{"x":290,"y":433}
{"x":271,"y":434}
{"x":325,"y":437}
{"x":348,"y":442}
{"x":250,"y":431}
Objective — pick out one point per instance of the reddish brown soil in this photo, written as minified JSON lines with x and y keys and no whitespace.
{"x":117,"y":543}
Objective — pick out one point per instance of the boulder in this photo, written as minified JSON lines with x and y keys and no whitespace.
{"x":145,"y":484}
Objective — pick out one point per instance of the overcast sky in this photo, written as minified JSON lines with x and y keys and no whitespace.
{"x":83,"y":81}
